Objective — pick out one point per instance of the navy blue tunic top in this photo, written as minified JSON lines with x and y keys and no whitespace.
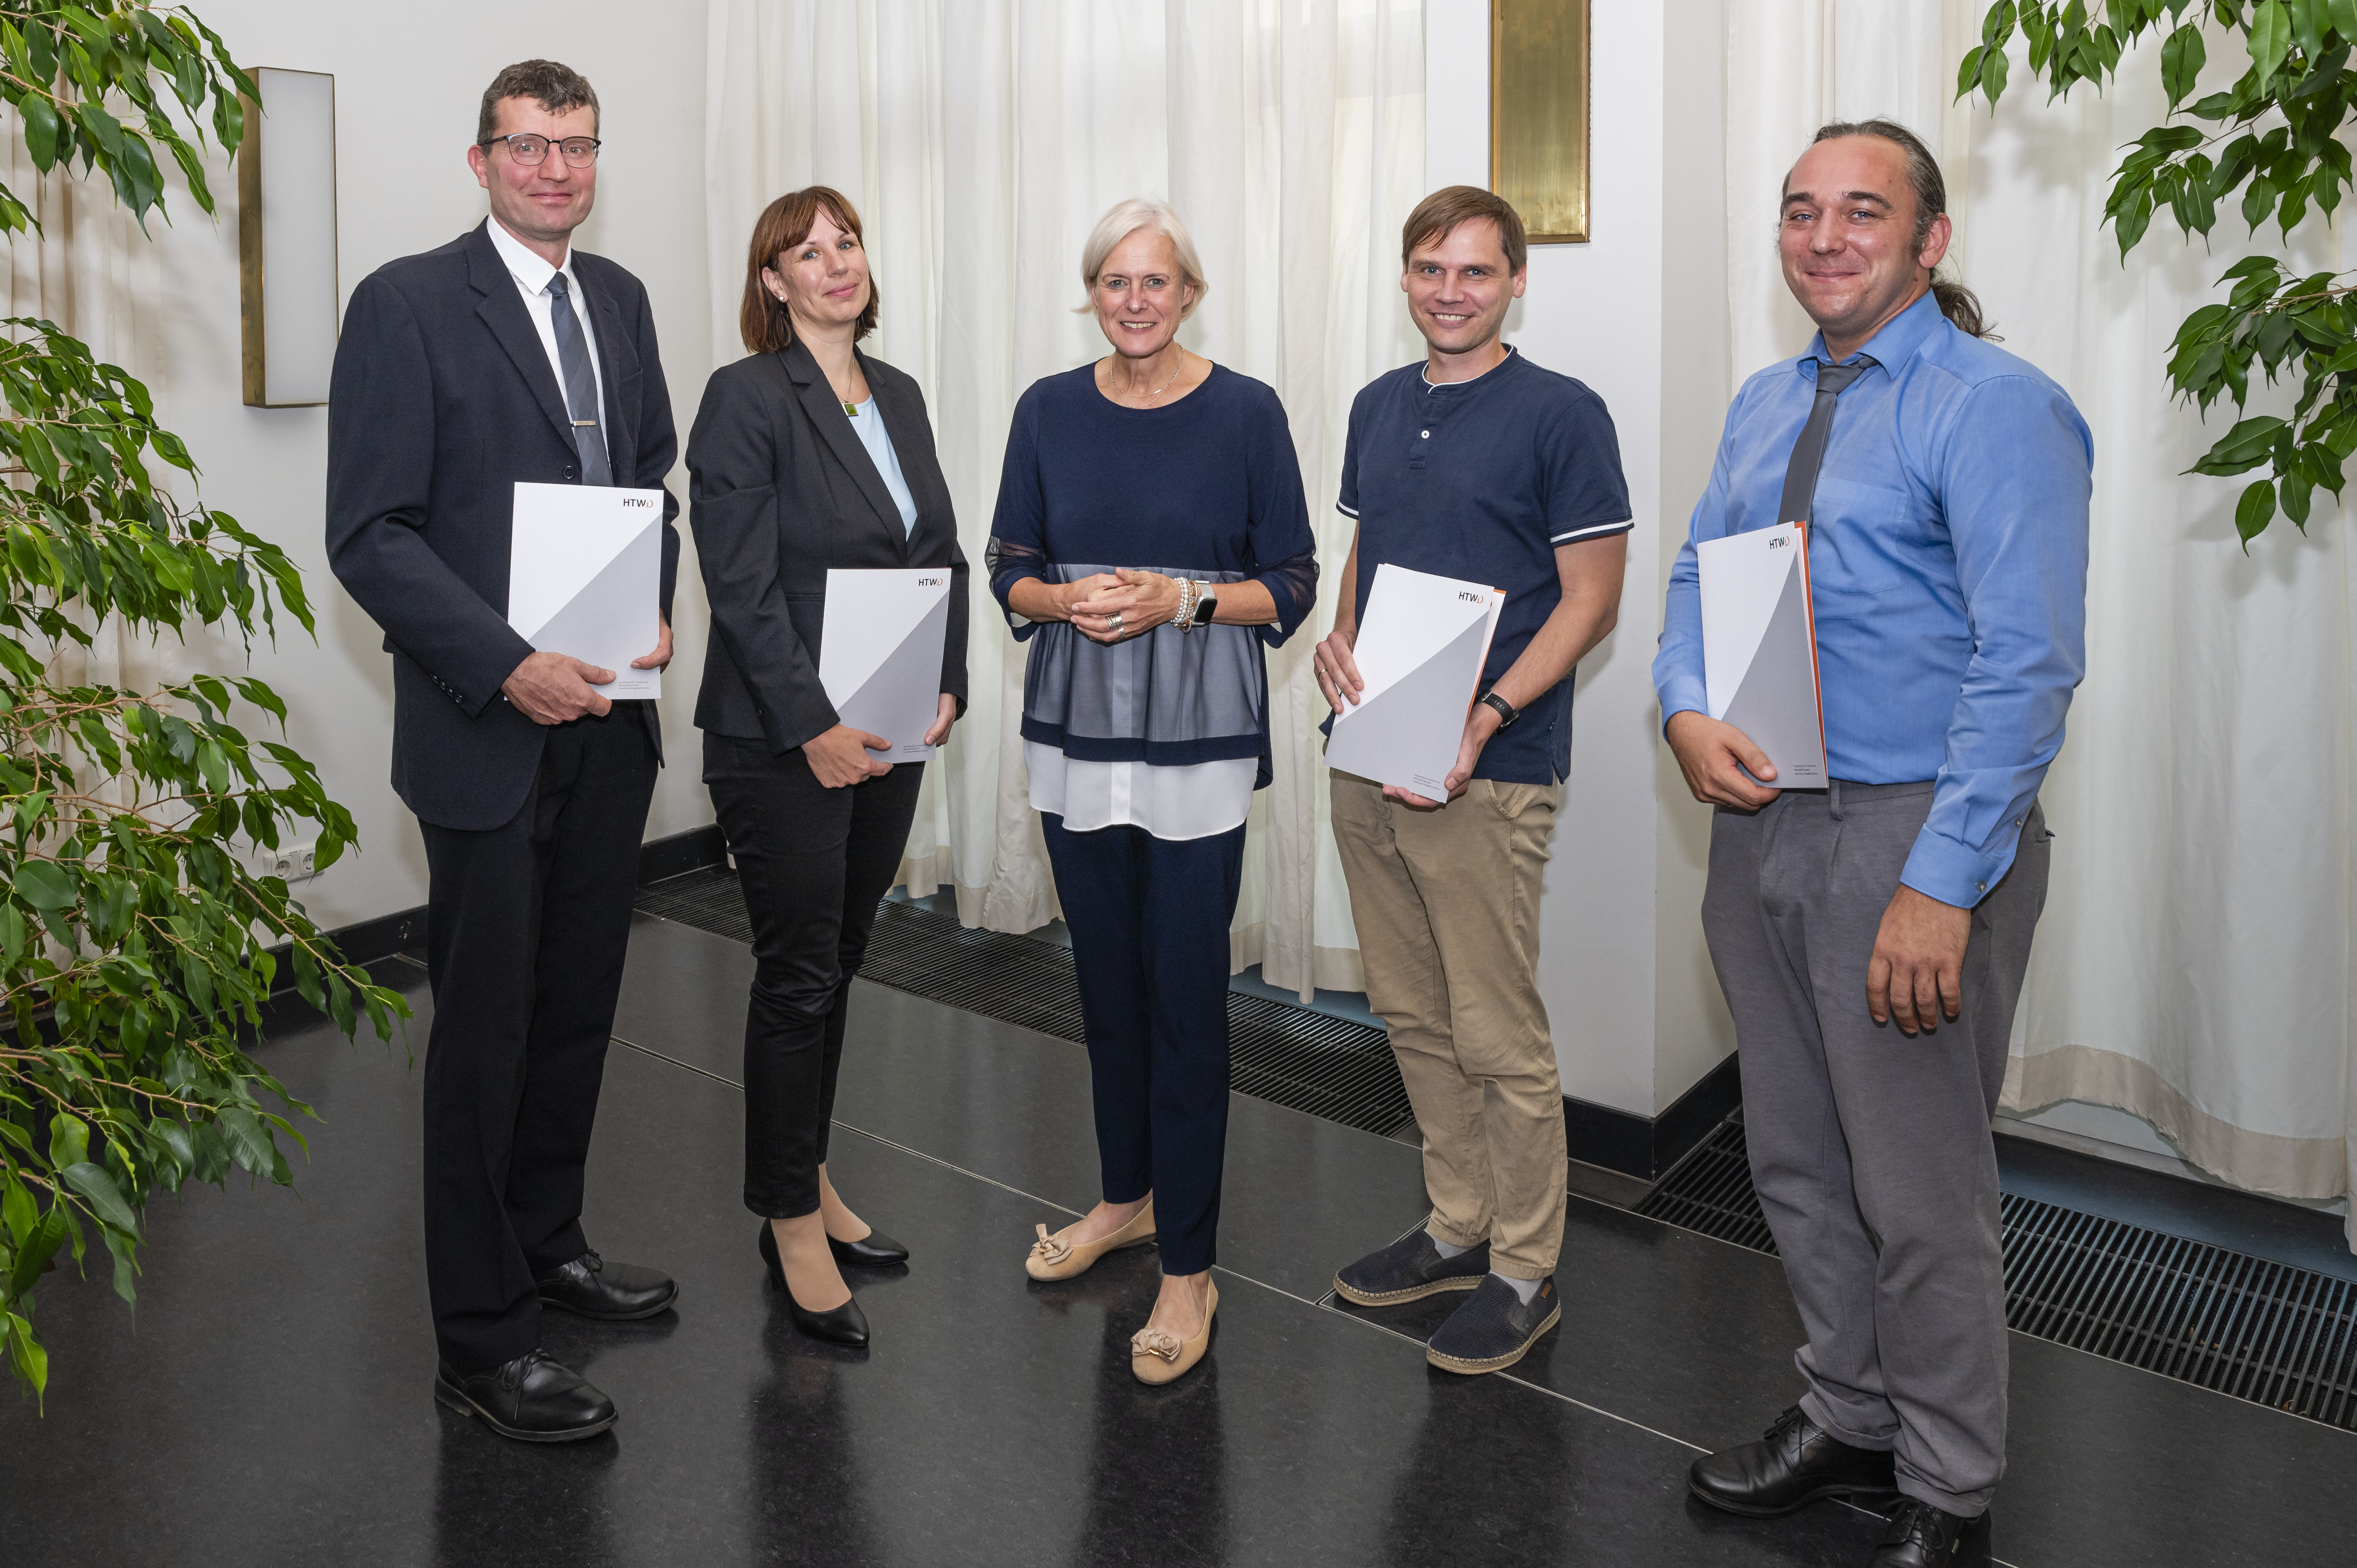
{"x":1208,"y":487}
{"x":1481,"y":481}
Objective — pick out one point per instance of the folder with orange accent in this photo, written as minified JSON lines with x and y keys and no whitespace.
{"x":1760,"y":648}
{"x":1420,"y":653}
{"x":880,"y":655}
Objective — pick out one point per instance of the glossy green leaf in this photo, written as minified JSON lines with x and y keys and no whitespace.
{"x":98,"y":1189}
{"x":2270,"y":41}
{"x":2254,"y":510}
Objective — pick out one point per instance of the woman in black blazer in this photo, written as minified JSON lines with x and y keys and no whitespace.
{"x":808,"y":455}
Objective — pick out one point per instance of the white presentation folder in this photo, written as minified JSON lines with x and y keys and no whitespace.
{"x":584,"y":577}
{"x":880,"y":660}
{"x":1760,"y":648}
{"x":1420,"y":651}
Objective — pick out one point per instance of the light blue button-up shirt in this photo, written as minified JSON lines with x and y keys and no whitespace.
{"x":1948,"y":574}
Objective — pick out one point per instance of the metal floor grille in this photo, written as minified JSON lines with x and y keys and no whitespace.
{"x":2270,"y":1333}
{"x":1332,"y":1068}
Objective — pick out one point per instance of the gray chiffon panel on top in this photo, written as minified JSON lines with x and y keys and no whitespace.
{"x":1185,"y":689}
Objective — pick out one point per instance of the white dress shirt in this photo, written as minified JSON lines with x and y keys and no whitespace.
{"x":532,"y":272}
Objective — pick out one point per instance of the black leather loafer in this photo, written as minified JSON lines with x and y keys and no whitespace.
{"x":1924,"y":1536}
{"x":532,"y":1399}
{"x":873,"y":1250}
{"x":611,"y":1293}
{"x":844,"y":1324}
{"x":1494,"y":1328}
{"x":1794,"y":1464}
{"x":1409,"y":1269}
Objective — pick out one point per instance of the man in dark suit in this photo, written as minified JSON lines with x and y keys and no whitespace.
{"x":503,"y":357}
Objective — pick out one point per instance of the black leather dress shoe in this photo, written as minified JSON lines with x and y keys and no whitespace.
{"x":844,"y":1324}
{"x":532,"y":1399}
{"x":1794,"y":1465}
{"x":1922,"y":1536}
{"x":611,"y":1293}
{"x":873,"y":1250}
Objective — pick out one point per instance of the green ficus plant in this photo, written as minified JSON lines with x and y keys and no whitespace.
{"x":2274,"y":135}
{"x":138,"y":947}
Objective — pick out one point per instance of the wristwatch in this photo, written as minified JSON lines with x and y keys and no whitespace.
{"x":1206,"y":603}
{"x":1507,"y":712}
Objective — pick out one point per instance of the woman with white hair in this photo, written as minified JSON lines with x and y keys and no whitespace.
{"x":1151,"y":540}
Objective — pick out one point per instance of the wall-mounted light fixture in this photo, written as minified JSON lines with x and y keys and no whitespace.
{"x":286,"y":238}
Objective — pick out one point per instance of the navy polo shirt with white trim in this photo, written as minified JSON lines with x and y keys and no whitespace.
{"x":1482,"y":480}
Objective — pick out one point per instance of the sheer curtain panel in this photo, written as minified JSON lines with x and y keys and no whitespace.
{"x":981,"y":139}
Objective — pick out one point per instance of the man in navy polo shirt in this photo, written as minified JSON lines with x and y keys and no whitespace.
{"x":1478,"y":464}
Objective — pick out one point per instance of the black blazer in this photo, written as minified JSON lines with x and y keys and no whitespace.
{"x":780,"y":489}
{"x":442,"y":399}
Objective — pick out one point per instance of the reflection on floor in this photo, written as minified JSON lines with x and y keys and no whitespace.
{"x":270,"y":1401}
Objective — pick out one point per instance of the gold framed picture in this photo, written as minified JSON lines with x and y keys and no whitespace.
{"x":1538,"y":115}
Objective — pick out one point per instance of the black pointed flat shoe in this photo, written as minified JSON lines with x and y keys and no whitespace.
{"x":873,"y":1250}
{"x":844,"y":1324}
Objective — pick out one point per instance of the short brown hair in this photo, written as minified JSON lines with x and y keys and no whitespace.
{"x":762,"y":319}
{"x":556,"y":88}
{"x":1437,"y":216}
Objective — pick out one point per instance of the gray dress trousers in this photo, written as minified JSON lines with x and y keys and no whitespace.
{"x":1871,"y":1151}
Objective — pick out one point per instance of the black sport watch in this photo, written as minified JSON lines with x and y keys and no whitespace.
{"x":1507,"y":712}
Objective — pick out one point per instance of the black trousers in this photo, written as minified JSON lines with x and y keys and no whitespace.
{"x":1149,"y":919}
{"x":815,"y":862}
{"x":525,"y":929}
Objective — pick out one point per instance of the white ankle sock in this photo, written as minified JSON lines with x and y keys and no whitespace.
{"x":1447,"y":1249}
{"x":1526,"y":1289}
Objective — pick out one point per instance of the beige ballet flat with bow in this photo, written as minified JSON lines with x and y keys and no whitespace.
{"x":1054,"y":1257}
{"x":1158,"y":1357}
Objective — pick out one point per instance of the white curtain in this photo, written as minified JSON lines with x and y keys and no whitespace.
{"x":980,"y":140}
{"x":86,"y":270}
{"x":2193,"y":964}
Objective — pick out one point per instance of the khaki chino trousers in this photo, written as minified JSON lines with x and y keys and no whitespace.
{"x":1447,"y":904}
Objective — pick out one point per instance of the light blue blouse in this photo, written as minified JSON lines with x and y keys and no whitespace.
{"x":878,"y":442}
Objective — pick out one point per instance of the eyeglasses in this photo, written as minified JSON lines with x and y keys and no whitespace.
{"x":528,"y":149}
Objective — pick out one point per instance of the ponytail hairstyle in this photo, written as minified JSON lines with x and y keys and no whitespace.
{"x":1957,"y":303}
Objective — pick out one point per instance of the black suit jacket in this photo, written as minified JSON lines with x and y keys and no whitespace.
{"x":442,"y":399}
{"x":780,"y":489}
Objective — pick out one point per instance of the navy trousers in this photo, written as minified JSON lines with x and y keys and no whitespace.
{"x":1149,"y":918}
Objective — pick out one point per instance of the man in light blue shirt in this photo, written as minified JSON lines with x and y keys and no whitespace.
{"x":1945,"y":484}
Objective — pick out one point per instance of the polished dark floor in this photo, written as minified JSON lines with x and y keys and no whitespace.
{"x":269,"y":1402}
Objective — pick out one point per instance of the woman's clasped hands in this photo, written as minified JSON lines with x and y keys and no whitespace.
{"x":1115,"y":606}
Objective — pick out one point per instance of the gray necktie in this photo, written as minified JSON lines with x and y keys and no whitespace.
{"x":581,"y":384}
{"x":1809,"y":451}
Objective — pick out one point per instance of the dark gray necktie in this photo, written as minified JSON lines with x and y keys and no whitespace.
{"x":1809,"y":451}
{"x":581,"y":386}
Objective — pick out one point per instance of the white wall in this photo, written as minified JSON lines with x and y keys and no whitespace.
{"x":407,"y":86}
{"x":1638,"y":313}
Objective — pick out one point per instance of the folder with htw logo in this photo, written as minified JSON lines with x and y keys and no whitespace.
{"x":880,"y":657}
{"x":1420,"y":653}
{"x":584,"y":577}
{"x":1760,"y":648}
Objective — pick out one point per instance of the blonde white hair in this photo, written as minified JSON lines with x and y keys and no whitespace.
{"x":1127,"y":217}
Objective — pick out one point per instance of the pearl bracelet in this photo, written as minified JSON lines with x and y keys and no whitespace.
{"x":1186,"y":615}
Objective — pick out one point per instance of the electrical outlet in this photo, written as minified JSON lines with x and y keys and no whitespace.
{"x":291,"y":863}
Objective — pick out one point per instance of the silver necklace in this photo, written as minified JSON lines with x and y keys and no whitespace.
{"x":1174,"y":375}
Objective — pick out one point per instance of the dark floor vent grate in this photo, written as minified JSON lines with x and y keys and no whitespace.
{"x":2270,"y":1333}
{"x":1331,"y":1067}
